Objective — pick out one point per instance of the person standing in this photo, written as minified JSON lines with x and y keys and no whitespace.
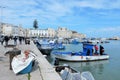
{"x":15,"y":40}
{"x":2,"y":40}
{"x":96,"y":49}
{"x":101,"y":50}
{"x":6,"y":40}
{"x":20,"y":40}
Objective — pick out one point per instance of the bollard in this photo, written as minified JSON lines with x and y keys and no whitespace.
{"x":13,"y":53}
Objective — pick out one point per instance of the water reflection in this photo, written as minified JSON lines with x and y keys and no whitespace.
{"x":96,"y":66}
{"x":93,"y":66}
{"x":101,"y":70}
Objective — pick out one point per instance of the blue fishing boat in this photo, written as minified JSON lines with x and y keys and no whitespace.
{"x":58,"y":46}
{"x":88,"y":54}
{"x":75,"y":41}
{"x":44,"y":47}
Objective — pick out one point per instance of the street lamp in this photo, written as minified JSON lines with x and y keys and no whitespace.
{"x":1,"y":7}
{"x":1,"y":10}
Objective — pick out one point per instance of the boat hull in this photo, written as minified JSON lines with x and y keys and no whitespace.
{"x":67,"y":57}
{"x":28,"y":69}
{"x":46,"y":51}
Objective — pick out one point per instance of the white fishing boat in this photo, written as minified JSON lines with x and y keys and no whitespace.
{"x":86,"y":55}
{"x":21,"y":64}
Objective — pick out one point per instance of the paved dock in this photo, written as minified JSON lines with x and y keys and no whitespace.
{"x":43,"y":71}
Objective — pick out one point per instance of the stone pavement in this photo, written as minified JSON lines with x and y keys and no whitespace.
{"x":44,"y":70}
{"x":5,"y":72}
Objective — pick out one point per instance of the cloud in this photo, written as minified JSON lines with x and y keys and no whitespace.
{"x":99,"y":4}
{"x":110,"y":29}
{"x":64,"y":12}
{"x":56,"y":8}
{"x":103,"y":31}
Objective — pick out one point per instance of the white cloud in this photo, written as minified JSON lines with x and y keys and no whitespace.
{"x":54,"y":8}
{"x":105,"y":29}
{"x":98,"y":4}
{"x":49,"y":11}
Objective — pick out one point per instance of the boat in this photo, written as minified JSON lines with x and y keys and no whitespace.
{"x":58,"y":46}
{"x":22,"y":65}
{"x":68,"y":73}
{"x":44,"y":47}
{"x":74,"y":41}
{"x":95,"y":41}
{"x":88,"y":54}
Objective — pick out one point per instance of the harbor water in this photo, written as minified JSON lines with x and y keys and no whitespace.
{"x":101,"y":70}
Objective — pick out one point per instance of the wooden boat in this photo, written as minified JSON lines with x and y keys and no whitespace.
{"x":86,"y":55}
{"x":20,"y":65}
{"x":68,"y":73}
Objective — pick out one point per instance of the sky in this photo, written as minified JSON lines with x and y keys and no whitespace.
{"x":95,"y":18}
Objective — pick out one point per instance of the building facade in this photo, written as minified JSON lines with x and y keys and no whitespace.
{"x":0,"y":28}
{"x":8,"y":30}
{"x":22,"y":31}
{"x":38,"y":33}
{"x":63,"y":32}
{"x":11,"y":30}
{"x":51,"y":33}
{"x":78,"y":35}
{"x":46,"y":33}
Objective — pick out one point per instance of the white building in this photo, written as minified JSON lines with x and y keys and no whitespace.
{"x":11,"y":30}
{"x":62,"y":32}
{"x":47,"y":33}
{"x":38,"y":33}
{"x":8,"y":29}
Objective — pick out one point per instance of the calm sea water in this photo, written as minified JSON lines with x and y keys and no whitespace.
{"x":101,"y":70}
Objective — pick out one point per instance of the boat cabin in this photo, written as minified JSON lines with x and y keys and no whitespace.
{"x":87,"y":49}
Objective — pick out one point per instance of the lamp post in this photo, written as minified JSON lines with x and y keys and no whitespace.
{"x":1,"y":7}
{"x":1,"y":10}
